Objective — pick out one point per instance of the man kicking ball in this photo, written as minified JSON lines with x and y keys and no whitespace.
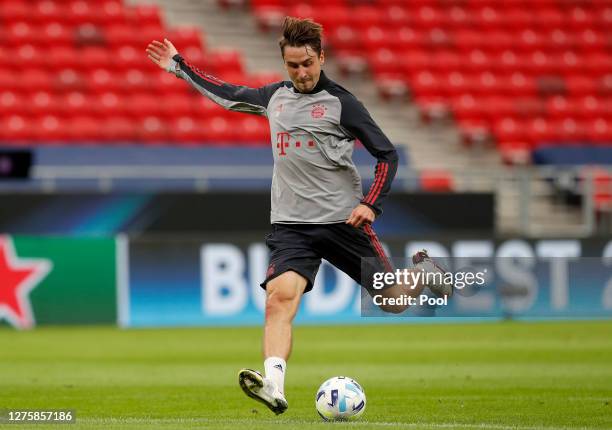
{"x":318,"y":207}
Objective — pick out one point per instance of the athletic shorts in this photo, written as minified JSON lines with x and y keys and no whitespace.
{"x":300,"y":248}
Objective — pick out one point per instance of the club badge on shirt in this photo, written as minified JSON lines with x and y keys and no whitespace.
{"x":318,"y":111}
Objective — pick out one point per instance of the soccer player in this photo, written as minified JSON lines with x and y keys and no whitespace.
{"x":318,"y":207}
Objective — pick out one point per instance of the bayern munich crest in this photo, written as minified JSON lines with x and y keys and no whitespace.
{"x":318,"y":111}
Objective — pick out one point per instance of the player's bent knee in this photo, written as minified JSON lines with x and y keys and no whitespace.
{"x":284,"y":292}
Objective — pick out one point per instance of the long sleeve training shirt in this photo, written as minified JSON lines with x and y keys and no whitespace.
{"x":312,"y":134}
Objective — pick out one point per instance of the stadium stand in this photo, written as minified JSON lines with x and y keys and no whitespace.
{"x":521,"y":74}
{"x":76,"y":71}
{"x":531,"y":77}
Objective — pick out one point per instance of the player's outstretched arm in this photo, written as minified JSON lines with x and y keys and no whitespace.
{"x":231,"y":97}
{"x":161,"y":53}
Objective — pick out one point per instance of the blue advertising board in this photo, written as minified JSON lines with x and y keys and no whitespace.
{"x":192,"y":282}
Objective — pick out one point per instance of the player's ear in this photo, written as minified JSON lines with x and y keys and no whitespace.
{"x":322,"y":57}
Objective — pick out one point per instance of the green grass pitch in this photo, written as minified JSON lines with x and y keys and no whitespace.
{"x":505,"y":375}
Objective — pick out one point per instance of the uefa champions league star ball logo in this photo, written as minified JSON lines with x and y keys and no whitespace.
{"x":318,"y":111}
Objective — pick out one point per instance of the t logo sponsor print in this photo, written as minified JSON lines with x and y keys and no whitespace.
{"x":282,"y":142}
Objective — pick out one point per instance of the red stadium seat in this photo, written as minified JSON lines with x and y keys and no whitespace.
{"x":186,"y":37}
{"x":518,"y":18}
{"x":436,"y":181}
{"x":134,"y":80}
{"x":118,"y":129}
{"x":178,"y":104}
{"x":206,"y":108}
{"x":560,"y":107}
{"x":345,"y":37}
{"x":81,"y":11}
{"x":14,"y":10}
{"x":75,"y":101}
{"x":599,"y":130}
{"x":8,"y":79}
{"x":426,"y":84}
{"x":16,"y":128}
{"x":365,"y":15}
{"x":580,"y":18}
{"x":253,"y":130}
{"x":510,"y":130}
{"x":580,"y":85}
{"x":34,"y":78}
{"x":224,"y":60}
{"x":49,"y":129}
{"x":120,"y":34}
{"x":111,"y":103}
{"x":261,"y":79}
{"x":539,"y":131}
{"x":569,"y":130}
{"x":83,"y":128}
{"x":141,"y":15}
{"x":603,"y":17}
{"x":395,"y":16}
{"x":102,"y":80}
{"x":144,"y":105}
{"x":47,"y":11}
{"x":69,"y":79}
{"x":19,"y":33}
{"x":167,"y":83}
{"x":95,"y":57}
{"x":488,"y":18}
{"x":152,"y":129}
{"x":128,"y":57}
{"x":186,"y":129}
{"x":427,"y":17}
{"x":385,"y":61}
{"x":55,"y":34}
{"x":415,"y":61}
{"x":12,"y":103}
{"x":112,"y":11}
{"x":220,"y":129}
{"x":63,"y":56}
{"x":43,"y":102}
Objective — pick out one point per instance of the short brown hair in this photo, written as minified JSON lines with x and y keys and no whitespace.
{"x":301,"y":32}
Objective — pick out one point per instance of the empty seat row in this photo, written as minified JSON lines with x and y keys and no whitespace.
{"x":150,"y":129}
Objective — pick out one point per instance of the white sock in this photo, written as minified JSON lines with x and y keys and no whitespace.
{"x":275,"y":370}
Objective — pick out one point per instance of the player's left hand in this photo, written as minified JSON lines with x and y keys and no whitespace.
{"x":362,"y":214}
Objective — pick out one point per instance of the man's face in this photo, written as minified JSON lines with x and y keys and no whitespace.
{"x":303,"y":66}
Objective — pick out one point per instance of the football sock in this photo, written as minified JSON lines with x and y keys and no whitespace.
{"x":275,"y":370}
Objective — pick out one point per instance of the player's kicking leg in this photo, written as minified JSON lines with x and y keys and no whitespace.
{"x":422,"y":261}
{"x":283,"y":295}
{"x":436,"y":284}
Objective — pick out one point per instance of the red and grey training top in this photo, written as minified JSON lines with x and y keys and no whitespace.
{"x":313,"y":134}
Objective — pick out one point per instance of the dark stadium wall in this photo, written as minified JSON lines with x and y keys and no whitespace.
{"x":101,"y":214}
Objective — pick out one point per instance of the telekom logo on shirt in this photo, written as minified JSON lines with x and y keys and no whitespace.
{"x":284,"y":140}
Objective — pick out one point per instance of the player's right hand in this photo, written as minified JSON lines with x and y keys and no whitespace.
{"x":161,"y":53}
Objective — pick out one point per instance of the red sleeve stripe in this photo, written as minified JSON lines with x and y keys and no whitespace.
{"x":376,"y":176}
{"x":378,"y":247}
{"x":208,"y":78}
{"x":379,"y":167}
{"x":378,"y":184}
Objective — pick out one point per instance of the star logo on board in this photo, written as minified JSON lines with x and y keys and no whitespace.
{"x":18,"y":276}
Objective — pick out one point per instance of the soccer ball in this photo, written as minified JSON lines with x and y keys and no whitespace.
{"x":340,"y":399}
